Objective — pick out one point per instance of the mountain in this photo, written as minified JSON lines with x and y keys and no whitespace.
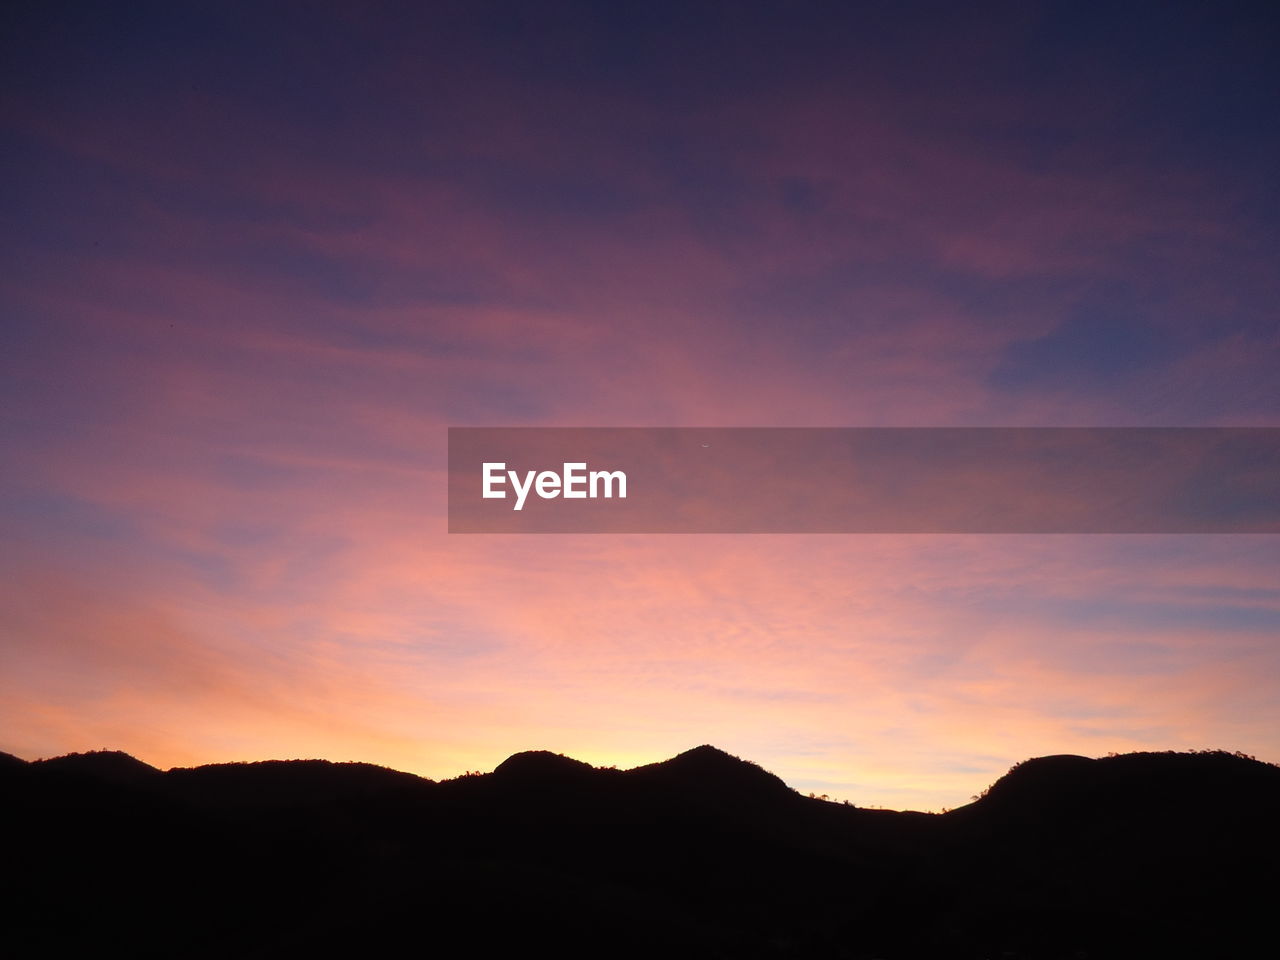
{"x":292,"y":783}
{"x":1147,"y":780}
{"x":108,"y":766}
{"x":539,"y":769}
{"x":712,"y":773}
{"x":701,"y":855}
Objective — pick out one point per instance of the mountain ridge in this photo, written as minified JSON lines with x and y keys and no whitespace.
{"x":703,"y":854}
{"x":1035,"y":776}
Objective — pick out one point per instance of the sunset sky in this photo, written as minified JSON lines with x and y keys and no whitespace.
{"x":258,"y":260}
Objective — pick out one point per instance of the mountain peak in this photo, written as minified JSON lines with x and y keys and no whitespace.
{"x":709,"y":759}
{"x":710,"y":771}
{"x":706,"y":753}
{"x":113,"y":766}
{"x":1149,"y":781}
{"x":541,"y":765}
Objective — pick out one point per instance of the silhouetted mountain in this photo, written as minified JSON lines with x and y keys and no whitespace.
{"x":541,"y":768}
{"x":708,"y":771}
{"x":701,"y":855}
{"x":110,"y":766}
{"x":1148,"y":780}
{"x":292,"y":783}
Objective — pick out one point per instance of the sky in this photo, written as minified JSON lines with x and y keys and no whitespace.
{"x":258,"y":258}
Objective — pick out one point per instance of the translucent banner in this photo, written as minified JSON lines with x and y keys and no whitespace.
{"x":863,"y":480}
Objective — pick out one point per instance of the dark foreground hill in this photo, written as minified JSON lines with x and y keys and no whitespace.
{"x":1143,"y":855}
